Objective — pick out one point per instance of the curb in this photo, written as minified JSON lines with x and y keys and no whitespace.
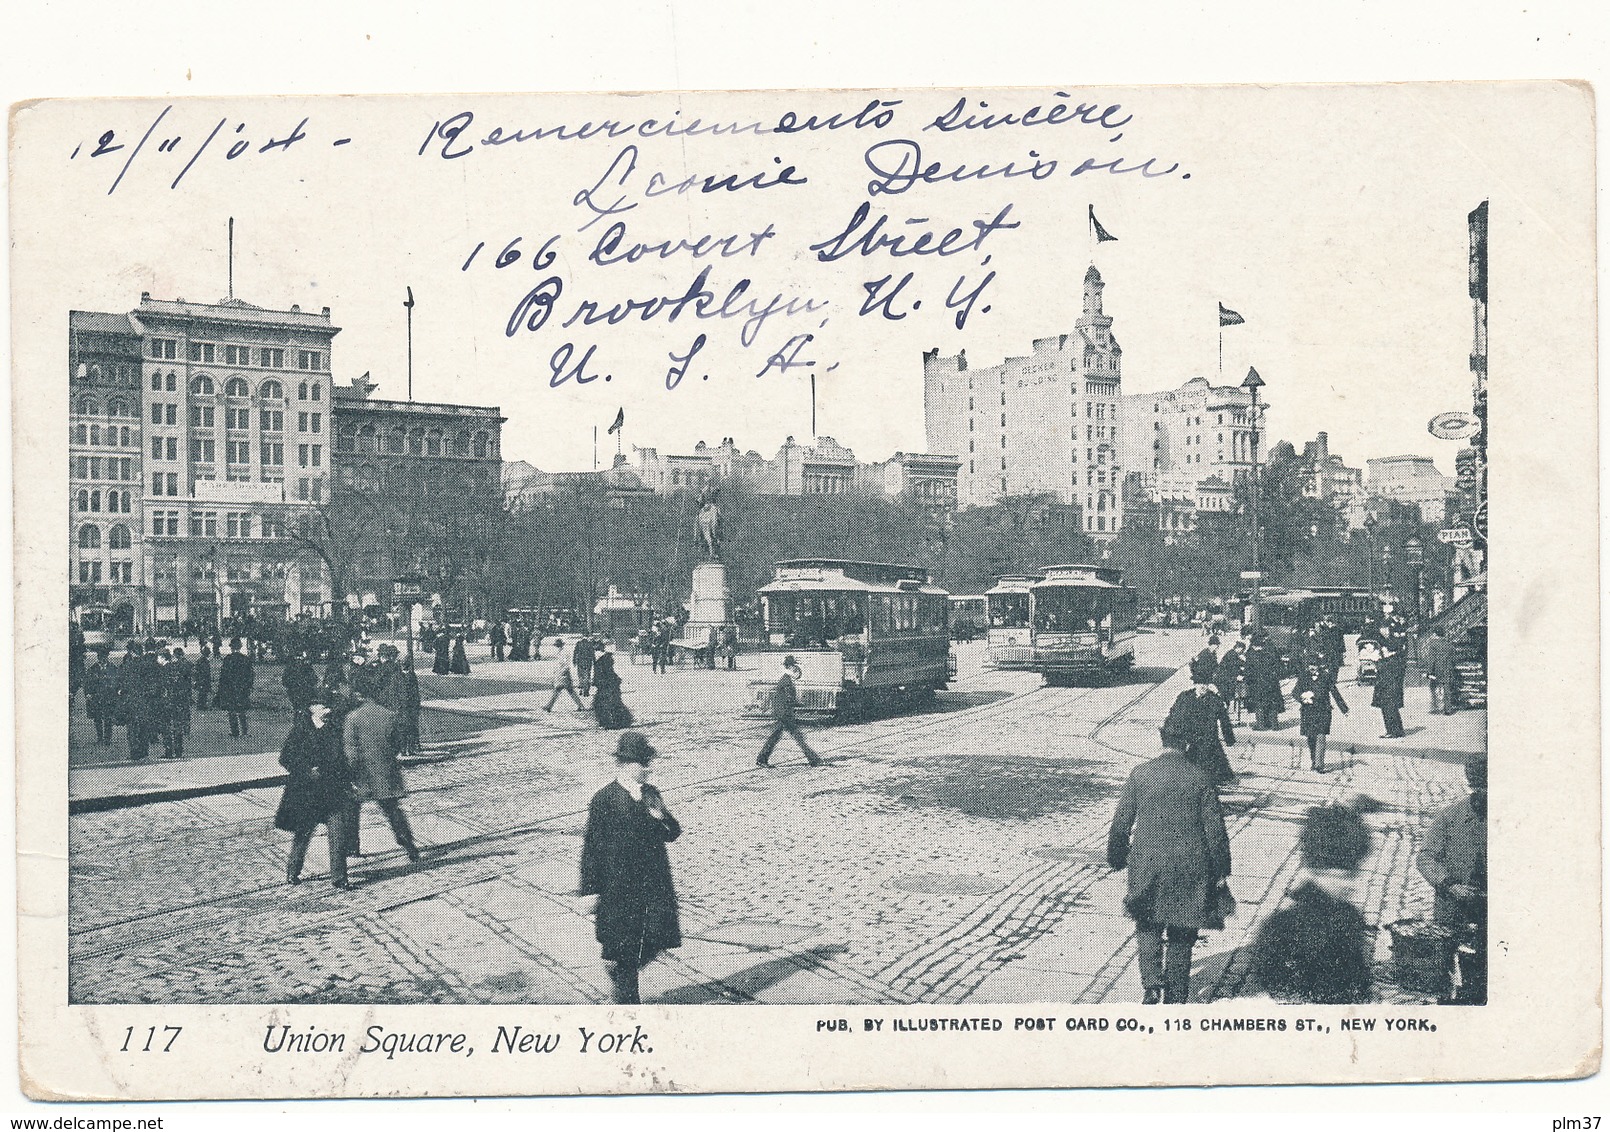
{"x":173,"y":794}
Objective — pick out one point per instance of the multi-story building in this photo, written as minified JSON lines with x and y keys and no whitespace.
{"x":1331,"y":480}
{"x":1043,"y":423}
{"x":223,"y":393}
{"x":918,"y":476}
{"x":1186,"y":448}
{"x":106,"y":521}
{"x":421,"y":474}
{"x":1413,"y":480}
{"x":825,"y":467}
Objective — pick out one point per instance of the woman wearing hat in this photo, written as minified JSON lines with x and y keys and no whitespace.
{"x":318,"y":790}
{"x":608,"y":707}
{"x":624,"y":864}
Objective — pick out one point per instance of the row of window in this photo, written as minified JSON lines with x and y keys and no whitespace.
{"x":118,"y":573}
{"x":118,"y":537}
{"x":417,"y":442}
{"x":89,"y":406}
{"x":114,"y":374}
{"x":114,"y":436}
{"x":270,"y":357}
{"x":117,"y":502}
{"x":107,"y":468}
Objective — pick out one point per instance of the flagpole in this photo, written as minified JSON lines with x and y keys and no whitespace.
{"x":813,"y":406}
{"x":1221,"y":349}
{"x":231,"y":257}
{"x":595,"y":448}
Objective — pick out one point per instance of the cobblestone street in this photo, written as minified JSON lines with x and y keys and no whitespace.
{"x":951,"y":855}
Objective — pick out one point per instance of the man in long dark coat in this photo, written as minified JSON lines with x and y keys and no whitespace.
{"x":301,"y":681}
{"x":582,"y":658}
{"x":372,"y":740}
{"x":1388,"y":695}
{"x":139,"y":696}
{"x":624,"y":864}
{"x":317,"y":791}
{"x":202,"y":677}
{"x":175,"y":718}
{"x":1168,"y":831}
{"x":100,"y":699}
{"x":1198,"y":718}
{"x":235,"y":678}
{"x":1264,"y":698}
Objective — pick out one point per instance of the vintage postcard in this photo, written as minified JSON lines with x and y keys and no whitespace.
{"x":806,"y":590}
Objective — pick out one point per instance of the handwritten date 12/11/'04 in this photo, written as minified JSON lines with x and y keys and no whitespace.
{"x":176,"y":143}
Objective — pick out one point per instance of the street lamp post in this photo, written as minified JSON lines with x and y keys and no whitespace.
{"x":1252,"y":383}
{"x":1414,"y":553}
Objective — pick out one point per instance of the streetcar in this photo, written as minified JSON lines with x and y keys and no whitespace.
{"x":968,"y":618}
{"x":99,"y":624}
{"x":1010,"y":645}
{"x":863,"y":633}
{"x":1287,"y":615}
{"x":1083,"y":623}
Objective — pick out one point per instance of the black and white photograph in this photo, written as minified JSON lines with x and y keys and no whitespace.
{"x":1001,"y":575}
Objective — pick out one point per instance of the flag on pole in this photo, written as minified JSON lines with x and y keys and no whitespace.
{"x":620,"y":420}
{"x":1102,"y":235}
{"x":409,"y":301}
{"x":1228,"y":317}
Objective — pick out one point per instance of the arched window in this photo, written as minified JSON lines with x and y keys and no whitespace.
{"x":433,"y":442}
{"x":203,"y":387}
{"x":94,"y":434}
{"x":81,"y":434}
{"x":301,"y":392}
{"x":347,"y":439}
{"x":125,"y":507}
{"x":88,"y":407}
{"x":117,"y":407}
{"x":123,"y":436}
{"x":480,"y":445}
{"x":367,"y":479}
{"x":94,"y":373}
{"x":271,"y":391}
{"x":366,"y":438}
{"x":95,"y":501}
{"x":119,"y":538}
{"x":83,"y":501}
{"x":416,"y":442}
{"x":345,"y":475}
{"x":173,"y":382}
{"x":237,"y":387}
{"x":461,"y":444}
{"x":396,"y":439}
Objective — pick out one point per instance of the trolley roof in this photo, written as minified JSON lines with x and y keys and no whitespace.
{"x":832,"y":574}
{"x":1013,"y":584}
{"x":1099,"y":577}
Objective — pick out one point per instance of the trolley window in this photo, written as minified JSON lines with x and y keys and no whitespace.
{"x":1068,"y":610}
{"x":1009,"y":611}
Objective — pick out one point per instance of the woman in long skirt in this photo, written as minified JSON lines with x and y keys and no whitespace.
{"x":608,"y":708}
{"x":460,"y":665}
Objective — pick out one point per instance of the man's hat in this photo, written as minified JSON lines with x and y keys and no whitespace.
{"x":790,"y":662}
{"x":633,"y":748}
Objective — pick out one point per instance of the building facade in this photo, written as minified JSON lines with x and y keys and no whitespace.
{"x":1413,"y":480}
{"x":1186,"y":449}
{"x":232,"y":405}
{"x":412,"y":478}
{"x":824,"y":467}
{"x":1043,"y":423}
{"x":106,"y":513}
{"x":1328,"y":478}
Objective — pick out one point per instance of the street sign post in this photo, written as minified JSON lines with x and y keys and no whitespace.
{"x":1458,"y":536}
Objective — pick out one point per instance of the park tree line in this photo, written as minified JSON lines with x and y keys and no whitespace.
{"x":564,"y":549}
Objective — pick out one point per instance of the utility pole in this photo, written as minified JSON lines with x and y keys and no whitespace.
{"x":409,"y":305}
{"x":1252,"y":384}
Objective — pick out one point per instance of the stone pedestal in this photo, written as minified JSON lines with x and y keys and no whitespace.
{"x":711,"y":605}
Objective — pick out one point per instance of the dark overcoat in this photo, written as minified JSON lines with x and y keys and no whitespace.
{"x":235,"y":679}
{"x":100,"y":692}
{"x":320,"y":782}
{"x":1263,"y":680}
{"x":1440,"y":662}
{"x":372,"y":741}
{"x":1314,"y":715}
{"x":301,"y":683}
{"x":442,"y":664}
{"x":1198,"y":720}
{"x":608,"y":707}
{"x":1389,"y":678}
{"x":624,"y":863}
{"x":1314,"y":950}
{"x":1169,"y":832}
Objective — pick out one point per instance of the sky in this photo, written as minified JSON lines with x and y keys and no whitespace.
{"x":1332,"y":219}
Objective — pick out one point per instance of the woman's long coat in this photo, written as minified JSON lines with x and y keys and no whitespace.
{"x":1263,"y":680}
{"x":624,"y":863}
{"x":442,"y":664}
{"x":1315,"y":718}
{"x":310,"y":798}
{"x":1169,"y":832}
{"x":608,"y":707}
